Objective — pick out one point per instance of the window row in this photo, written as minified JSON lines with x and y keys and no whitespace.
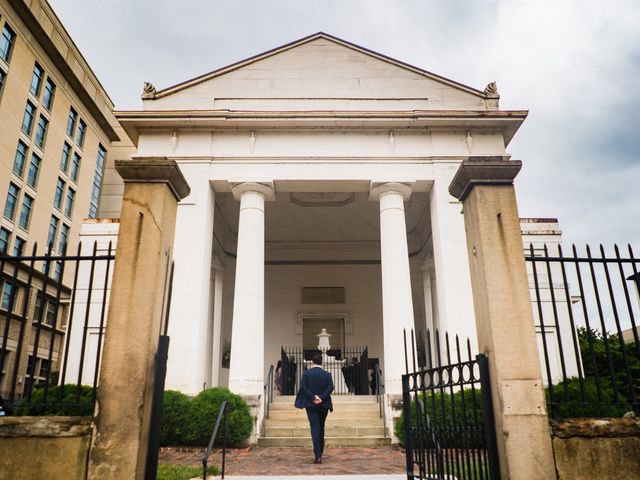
{"x":20,"y":161}
{"x":72,"y":159}
{"x":81,"y":131}
{"x":53,"y":234}
{"x":10,"y":297}
{"x":37,"y":80}
{"x":41,"y":128}
{"x":11,"y":205}
{"x":18,"y":244}
{"x":7,"y":41}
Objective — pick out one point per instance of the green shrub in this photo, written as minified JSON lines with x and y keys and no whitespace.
{"x":202,"y":414}
{"x":70,"y":406}
{"x":447,"y":416}
{"x":571,"y":404}
{"x":174,"y":419}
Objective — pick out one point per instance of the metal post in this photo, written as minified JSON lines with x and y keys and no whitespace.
{"x":151,"y":470}
{"x":488,"y":418}
{"x":406,"y":406}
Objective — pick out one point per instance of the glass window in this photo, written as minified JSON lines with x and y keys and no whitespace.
{"x":82,"y":130}
{"x":53,"y":232}
{"x":34,"y":168}
{"x":12,"y":201}
{"x":18,"y":247}
{"x":64,"y":159}
{"x":8,"y":296}
{"x":2,"y":77}
{"x":97,"y":182}
{"x":4,"y":240}
{"x":68,"y":205}
{"x":36,"y":80}
{"x":57,"y":197}
{"x":19,"y":160}
{"x":27,"y":119}
{"x":49,"y":91}
{"x":57,"y":270}
{"x":75,"y":167}
{"x":41,"y":131}
{"x":25,"y":212}
{"x":6,"y":43}
{"x":71,"y":122}
{"x":64,"y":238}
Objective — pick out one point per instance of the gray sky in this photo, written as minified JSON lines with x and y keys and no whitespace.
{"x":574,"y":64}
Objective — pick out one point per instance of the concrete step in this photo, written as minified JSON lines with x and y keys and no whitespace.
{"x":373,"y":441}
{"x":351,"y":406}
{"x":331,"y":422}
{"x":330,"y":431}
{"x":337,"y":414}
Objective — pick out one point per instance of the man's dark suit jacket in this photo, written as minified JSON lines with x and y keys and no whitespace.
{"x":315,"y":381}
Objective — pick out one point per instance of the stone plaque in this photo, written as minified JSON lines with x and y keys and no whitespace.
{"x":323,"y":295}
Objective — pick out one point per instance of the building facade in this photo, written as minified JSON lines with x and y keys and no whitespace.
{"x":315,"y":168}
{"x":56,"y":128}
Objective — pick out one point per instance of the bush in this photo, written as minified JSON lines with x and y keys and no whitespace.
{"x":446,"y":411}
{"x":69,"y":406}
{"x":570,"y":403}
{"x":191,"y":422}
{"x":175,"y":415}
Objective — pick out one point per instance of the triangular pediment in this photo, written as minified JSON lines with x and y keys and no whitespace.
{"x":319,"y":72}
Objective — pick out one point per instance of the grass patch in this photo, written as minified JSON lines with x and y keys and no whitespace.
{"x":169,"y":471}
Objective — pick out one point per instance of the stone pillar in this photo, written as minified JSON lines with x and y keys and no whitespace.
{"x":216,"y":333}
{"x":504,"y":320}
{"x":397,"y":304}
{"x":153,"y":187}
{"x":246,"y":369}
{"x":453,"y":284}
{"x":190,"y":321}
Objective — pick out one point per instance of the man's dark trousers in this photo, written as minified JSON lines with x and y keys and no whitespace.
{"x":317,"y":416}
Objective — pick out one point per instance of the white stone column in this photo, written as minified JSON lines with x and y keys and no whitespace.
{"x":453,"y":280}
{"x":246,"y":370}
{"x":397,"y":303}
{"x":187,"y":369}
{"x":427,"y":271}
{"x":216,"y":333}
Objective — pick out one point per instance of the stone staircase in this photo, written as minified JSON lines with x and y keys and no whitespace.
{"x":355,"y":421}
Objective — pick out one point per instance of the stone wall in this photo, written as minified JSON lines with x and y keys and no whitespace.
{"x":55,"y":448}
{"x":593,"y":449}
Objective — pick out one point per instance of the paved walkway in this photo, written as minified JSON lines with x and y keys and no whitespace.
{"x":340,"y":463}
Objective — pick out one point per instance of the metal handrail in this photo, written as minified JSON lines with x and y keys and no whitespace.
{"x":268,"y":391}
{"x":222,"y":415}
{"x":380,"y":395}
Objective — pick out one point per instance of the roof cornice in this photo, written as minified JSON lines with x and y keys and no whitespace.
{"x":507,"y":121}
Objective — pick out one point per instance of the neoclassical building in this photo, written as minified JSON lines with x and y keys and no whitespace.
{"x":319,"y":176}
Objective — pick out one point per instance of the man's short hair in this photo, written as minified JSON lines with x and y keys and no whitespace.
{"x":316,"y":358}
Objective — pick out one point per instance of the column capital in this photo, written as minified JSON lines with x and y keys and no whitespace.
{"x":266,"y":189}
{"x":154,"y":170}
{"x":483,"y":171}
{"x":377,"y":189}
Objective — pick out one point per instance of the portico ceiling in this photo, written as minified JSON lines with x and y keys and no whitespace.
{"x":323,"y":217}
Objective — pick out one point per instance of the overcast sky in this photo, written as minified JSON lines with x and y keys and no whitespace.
{"x":574,"y":64}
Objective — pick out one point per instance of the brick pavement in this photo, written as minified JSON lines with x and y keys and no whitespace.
{"x":296,"y":461}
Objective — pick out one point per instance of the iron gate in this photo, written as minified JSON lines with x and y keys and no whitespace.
{"x":451,"y":433}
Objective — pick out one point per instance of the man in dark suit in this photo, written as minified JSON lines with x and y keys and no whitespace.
{"x":314,"y":395}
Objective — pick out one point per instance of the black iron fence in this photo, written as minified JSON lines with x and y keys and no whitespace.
{"x":349,"y":366}
{"x":586,"y":311}
{"x":451,"y":431}
{"x":52,"y":321}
